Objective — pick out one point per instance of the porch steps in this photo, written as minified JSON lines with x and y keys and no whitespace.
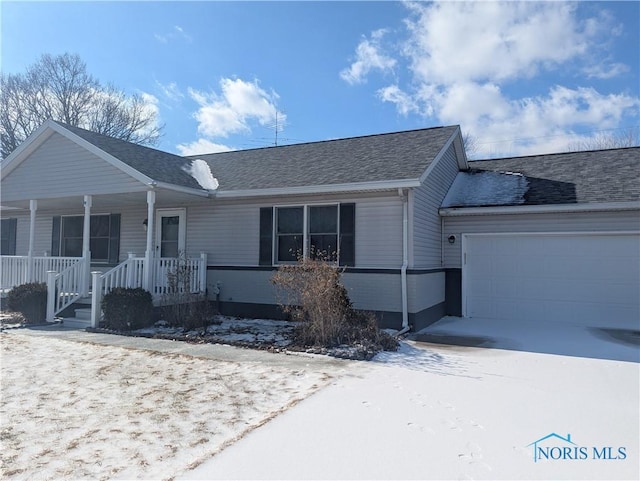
{"x":82,"y":318}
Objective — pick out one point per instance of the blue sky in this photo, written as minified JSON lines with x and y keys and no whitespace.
{"x":522,"y":78}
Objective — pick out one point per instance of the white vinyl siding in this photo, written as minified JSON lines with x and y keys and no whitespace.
{"x":133,"y":237}
{"x":229,"y":232}
{"x":426,"y":228}
{"x":379,"y":233}
{"x":559,"y":222}
{"x":61,"y":168}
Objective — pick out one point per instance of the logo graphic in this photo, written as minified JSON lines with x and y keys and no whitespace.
{"x":555,"y":447}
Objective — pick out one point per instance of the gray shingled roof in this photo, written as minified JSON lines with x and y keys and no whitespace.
{"x":382,"y":157}
{"x":156,"y":164}
{"x":574,"y":177}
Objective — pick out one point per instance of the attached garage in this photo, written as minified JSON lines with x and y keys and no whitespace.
{"x":591,"y":279}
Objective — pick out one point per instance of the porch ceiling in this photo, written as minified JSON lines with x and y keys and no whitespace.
{"x":105,"y":203}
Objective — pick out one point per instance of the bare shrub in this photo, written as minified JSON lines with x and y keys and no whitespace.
{"x":311,"y":292}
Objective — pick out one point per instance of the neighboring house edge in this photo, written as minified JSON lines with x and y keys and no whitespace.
{"x":414,"y":223}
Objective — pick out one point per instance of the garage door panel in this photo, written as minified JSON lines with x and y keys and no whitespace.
{"x":505,"y":265}
{"x":584,"y":278}
{"x":624,"y":268}
{"x":508,"y":288}
{"x":482,"y":307}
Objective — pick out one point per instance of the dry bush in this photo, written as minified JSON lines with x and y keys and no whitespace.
{"x":311,"y":292}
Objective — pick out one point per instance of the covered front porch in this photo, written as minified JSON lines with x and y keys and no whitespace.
{"x":97,"y":243}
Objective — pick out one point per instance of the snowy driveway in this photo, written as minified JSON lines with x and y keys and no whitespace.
{"x":450,"y":412}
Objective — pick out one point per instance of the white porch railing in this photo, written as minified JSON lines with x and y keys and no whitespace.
{"x":14,"y":270}
{"x":130,"y":273}
{"x":192,"y":272}
{"x":64,"y":288}
{"x":127,"y":274}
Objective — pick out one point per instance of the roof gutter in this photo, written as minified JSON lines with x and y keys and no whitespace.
{"x":321,"y":189}
{"x":539,"y":209}
{"x":185,"y":190}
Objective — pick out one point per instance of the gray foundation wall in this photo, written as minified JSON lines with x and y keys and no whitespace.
{"x":248,"y":291}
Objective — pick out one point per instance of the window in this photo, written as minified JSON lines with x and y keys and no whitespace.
{"x":289,"y":233}
{"x":104,"y":237}
{"x":8,"y":235}
{"x":313,"y":230}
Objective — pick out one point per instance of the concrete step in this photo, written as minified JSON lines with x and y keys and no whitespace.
{"x":76,"y":323}
{"x":83,"y":313}
{"x":84,"y":301}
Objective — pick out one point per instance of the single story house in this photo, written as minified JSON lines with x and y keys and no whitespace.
{"x":420,"y":231}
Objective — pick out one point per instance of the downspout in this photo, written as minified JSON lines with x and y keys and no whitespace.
{"x":405,"y":262}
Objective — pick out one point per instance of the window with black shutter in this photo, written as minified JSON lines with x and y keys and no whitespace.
{"x":104,"y":237}
{"x":316,"y":231}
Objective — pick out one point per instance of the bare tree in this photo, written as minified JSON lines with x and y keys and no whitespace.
{"x":629,"y":137}
{"x":470,"y":143}
{"x":60,"y":88}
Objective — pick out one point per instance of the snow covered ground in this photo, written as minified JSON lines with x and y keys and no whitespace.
{"x":74,"y":410}
{"x":115,"y":407}
{"x":449,"y":412}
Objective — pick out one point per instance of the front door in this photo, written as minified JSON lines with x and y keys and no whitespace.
{"x":170,"y":232}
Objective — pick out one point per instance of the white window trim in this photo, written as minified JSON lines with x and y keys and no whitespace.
{"x":182,"y":227}
{"x":305,"y":232}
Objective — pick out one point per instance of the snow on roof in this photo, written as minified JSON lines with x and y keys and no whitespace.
{"x":201,"y":172}
{"x":486,"y":188}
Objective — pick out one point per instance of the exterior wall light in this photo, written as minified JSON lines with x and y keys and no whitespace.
{"x":145,"y":224}
{"x":452,"y":239}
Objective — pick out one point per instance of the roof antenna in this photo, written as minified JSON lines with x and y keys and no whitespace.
{"x":277,"y":127}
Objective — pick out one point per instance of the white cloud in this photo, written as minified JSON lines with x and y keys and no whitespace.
{"x":177,"y":32}
{"x":235,"y":108}
{"x":368,"y":58}
{"x":171,"y":91}
{"x":605,"y":70}
{"x":202,"y":146}
{"x":544,"y":123}
{"x":465,"y":60}
{"x":455,"y":41}
{"x":393,"y":93}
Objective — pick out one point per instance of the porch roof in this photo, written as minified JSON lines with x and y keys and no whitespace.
{"x":72,"y":204}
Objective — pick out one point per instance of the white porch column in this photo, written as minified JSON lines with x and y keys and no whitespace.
{"x":33,"y":207}
{"x":86,"y":252}
{"x":148,"y":255}
{"x":96,"y":299}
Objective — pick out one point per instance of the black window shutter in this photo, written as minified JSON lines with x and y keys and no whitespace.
{"x":55,"y":236}
{"x":347,"y":235}
{"x":9,"y":228}
{"x":114,"y":238}
{"x":266,"y":236}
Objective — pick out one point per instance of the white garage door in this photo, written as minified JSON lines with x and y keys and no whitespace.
{"x":588,"y":279}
